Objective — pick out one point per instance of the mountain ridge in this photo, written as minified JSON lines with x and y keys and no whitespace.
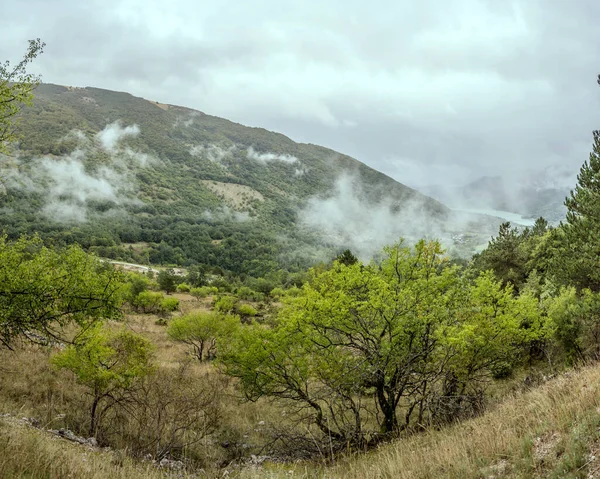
{"x":109,"y":169}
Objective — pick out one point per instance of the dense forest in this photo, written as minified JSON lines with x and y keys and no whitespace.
{"x":243,"y":353}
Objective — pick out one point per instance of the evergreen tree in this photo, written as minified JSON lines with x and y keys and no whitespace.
{"x":581,"y":258}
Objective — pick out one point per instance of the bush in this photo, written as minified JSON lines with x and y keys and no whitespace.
{"x":277,"y":293}
{"x":200,"y":330}
{"x":246,"y":310}
{"x":183,"y":288}
{"x":203,"y":292}
{"x":169,"y":304}
{"x":224,"y":304}
{"x":148,"y":302}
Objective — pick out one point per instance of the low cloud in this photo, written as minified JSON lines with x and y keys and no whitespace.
{"x":112,"y":134}
{"x":72,"y":188}
{"x":267,"y":157}
{"x":347,"y":219}
{"x":213,"y":153}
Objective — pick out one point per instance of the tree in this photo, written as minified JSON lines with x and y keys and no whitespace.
{"x":200,"y":330}
{"x":381,"y":343}
{"x":581,"y":255}
{"x":42,"y":290}
{"x":167,"y":280}
{"x":109,"y":363}
{"x":347,"y":258}
{"x":16,"y":90}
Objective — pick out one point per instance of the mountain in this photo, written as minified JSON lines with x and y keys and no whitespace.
{"x":531,"y":195}
{"x":139,"y":180}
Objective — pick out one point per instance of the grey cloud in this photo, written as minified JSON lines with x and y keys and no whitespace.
{"x":423,"y":90}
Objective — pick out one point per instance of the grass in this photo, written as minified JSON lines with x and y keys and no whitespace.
{"x":30,"y":453}
{"x":551,"y":431}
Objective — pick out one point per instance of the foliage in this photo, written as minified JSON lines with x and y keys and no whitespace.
{"x":183,"y":288}
{"x":246,"y":310}
{"x":110,"y":363}
{"x":149,"y":302}
{"x":224,"y":304}
{"x":169,"y":304}
{"x":360,"y":343}
{"x":16,"y":91}
{"x":203,"y":291}
{"x":575,"y":323}
{"x":42,"y":289}
{"x":200,"y":330}
{"x":167,"y":280}
{"x":513,"y":254}
{"x":581,"y":251}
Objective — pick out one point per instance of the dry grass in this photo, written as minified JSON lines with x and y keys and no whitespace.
{"x":28,"y":452}
{"x":235,"y":195}
{"x":552,"y":431}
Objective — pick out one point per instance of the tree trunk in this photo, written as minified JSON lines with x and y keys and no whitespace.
{"x":93,"y":415}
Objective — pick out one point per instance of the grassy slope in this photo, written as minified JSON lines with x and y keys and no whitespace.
{"x":551,"y":431}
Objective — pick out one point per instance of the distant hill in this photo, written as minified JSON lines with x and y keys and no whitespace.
{"x":137,"y":180}
{"x":531,"y":196}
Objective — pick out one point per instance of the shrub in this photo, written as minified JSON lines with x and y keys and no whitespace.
{"x":200,"y":330}
{"x":224,"y":304}
{"x":246,"y":310}
{"x":183,"y":288}
{"x":169,"y":304}
{"x":148,"y":302}
{"x":277,"y":293}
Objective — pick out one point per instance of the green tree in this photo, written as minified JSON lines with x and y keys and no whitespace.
{"x":200,"y":330}
{"x":361,"y":344}
{"x":110,"y":363}
{"x":347,"y":258}
{"x":167,"y":280}
{"x":42,"y":290}
{"x":579,"y":256}
{"x":16,"y":90}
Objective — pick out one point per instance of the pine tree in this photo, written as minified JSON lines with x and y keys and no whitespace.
{"x":582,"y":229}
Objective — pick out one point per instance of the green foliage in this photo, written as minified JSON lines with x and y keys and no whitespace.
{"x":513,"y":254}
{"x":109,"y":363}
{"x":42,"y":289}
{"x":16,"y":91}
{"x":575,"y":323}
{"x":347,"y":258}
{"x":225,"y":304}
{"x":579,"y":256}
{"x":405,"y":334}
{"x":277,"y":293}
{"x":169,"y":304}
{"x":149,"y":302}
{"x":167,"y":280}
{"x":246,"y":310}
{"x":203,"y":291}
{"x":183,"y":288}
{"x":136,"y":284}
{"x":201,"y":330}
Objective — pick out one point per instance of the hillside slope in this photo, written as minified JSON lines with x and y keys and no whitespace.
{"x":549,"y":431}
{"x":138,"y":180}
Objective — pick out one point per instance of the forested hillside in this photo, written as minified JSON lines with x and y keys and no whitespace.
{"x":137,"y":180}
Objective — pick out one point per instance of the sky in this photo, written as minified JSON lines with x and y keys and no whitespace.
{"x":427,"y":91}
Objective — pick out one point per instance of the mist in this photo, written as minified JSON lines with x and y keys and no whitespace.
{"x":346,"y":220}
{"x":77,"y":186}
{"x":267,"y":157}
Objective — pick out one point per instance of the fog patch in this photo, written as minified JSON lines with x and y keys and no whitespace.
{"x":347,"y":220}
{"x":114,"y":133}
{"x":267,"y":157}
{"x":213,"y":153}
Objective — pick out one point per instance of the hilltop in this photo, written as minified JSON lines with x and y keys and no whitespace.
{"x":142,"y":181}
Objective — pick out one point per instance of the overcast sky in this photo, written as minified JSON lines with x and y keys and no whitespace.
{"x":427,"y":91}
